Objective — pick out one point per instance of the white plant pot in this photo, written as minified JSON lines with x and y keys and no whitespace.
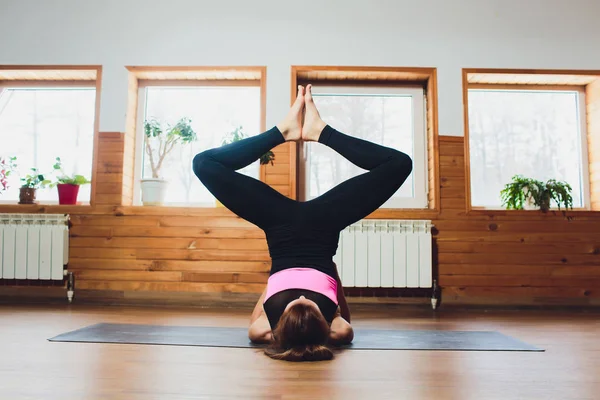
{"x":529,"y":205}
{"x":153,"y":191}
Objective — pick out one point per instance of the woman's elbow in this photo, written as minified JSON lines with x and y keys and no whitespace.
{"x":253,"y":337}
{"x":257,"y":337}
{"x":342,"y":336}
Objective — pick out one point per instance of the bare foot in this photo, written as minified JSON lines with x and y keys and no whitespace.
{"x":313,"y":124}
{"x":291,"y":126}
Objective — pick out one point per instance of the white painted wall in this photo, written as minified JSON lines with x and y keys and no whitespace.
{"x":447,"y":34}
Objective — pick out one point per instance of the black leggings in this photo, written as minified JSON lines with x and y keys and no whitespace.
{"x":258,"y":203}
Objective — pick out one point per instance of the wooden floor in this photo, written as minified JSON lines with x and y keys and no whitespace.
{"x":33,"y":368}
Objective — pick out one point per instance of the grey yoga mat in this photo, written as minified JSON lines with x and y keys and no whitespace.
{"x":364,"y":339}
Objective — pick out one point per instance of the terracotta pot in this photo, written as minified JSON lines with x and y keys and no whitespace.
{"x":27,"y":195}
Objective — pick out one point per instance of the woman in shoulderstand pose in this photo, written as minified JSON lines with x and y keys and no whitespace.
{"x":303,"y":309}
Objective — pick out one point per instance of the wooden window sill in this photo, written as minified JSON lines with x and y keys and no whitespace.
{"x":224,"y":212}
{"x":404,"y":213}
{"x":554,"y":213}
{"x":167,"y":210}
{"x":118,"y":210}
{"x":45,"y":208}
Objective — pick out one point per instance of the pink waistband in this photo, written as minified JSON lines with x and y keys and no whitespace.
{"x":302,"y":278}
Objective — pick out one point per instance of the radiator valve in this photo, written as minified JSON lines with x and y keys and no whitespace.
{"x":70,"y":287}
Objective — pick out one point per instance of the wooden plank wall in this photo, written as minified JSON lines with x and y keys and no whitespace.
{"x":593,"y":115}
{"x":504,"y":258}
{"x":278,"y":174}
{"x":109,"y":176}
{"x":512,"y":257}
{"x":214,"y":252}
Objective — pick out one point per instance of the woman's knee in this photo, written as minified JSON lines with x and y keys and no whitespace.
{"x":201,"y":162}
{"x":403,"y":165}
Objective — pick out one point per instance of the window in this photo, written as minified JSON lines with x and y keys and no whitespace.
{"x":38,"y":124}
{"x":537,"y":133}
{"x":393,"y":117}
{"x":215,"y":112}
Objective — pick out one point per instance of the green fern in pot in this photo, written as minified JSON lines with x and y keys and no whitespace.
{"x":522,"y":190}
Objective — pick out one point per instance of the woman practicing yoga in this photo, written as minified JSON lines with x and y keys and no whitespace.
{"x":303,"y":308}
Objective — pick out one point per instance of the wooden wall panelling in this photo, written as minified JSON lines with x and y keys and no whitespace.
{"x":505,"y":258}
{"x":214,"y":251}
{"x":126,"y":286}
{"x":109,"y":176}
{"x":497,"y":257}
{"x":511,"y":258}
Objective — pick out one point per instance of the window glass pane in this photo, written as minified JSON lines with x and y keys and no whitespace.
{"x":38,"y":125}
{"x":531,"y":133}
{"x":214,"y":112}
{"x":382,"y":119}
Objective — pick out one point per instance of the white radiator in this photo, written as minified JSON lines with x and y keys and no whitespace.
{"x":386,"y":254}
{"x":33,"y":246}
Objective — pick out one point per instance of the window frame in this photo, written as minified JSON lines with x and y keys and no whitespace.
{"x":139,"y":134}
{"x":425,"y":77}
{"x":583,"y":145}
{"x":529,"y":79}
{"x":42,"y":83}
{"x":144,"y":76}
{"x":420,"y":200}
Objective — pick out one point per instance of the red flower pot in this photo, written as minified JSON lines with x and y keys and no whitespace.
{"x":67,"y":193}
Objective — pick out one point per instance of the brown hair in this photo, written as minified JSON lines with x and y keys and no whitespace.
{"x":300,"y":335}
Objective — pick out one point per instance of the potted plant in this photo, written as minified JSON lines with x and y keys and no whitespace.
{"x":238,"y":134}
{"x":267,"y":158}
{"x":7,"y":167}
{"x":159,"y":141}
{"x":67,"y":185}
{"x":522,"y":191}
{"x":29,"y":186}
